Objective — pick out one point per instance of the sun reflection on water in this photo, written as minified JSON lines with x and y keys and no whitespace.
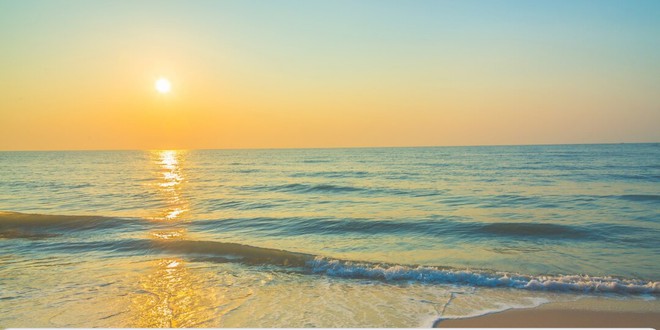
{"x":168,"y":234}
{"x":170,"y":295}
{"x":174,"y":291}
{"x":171,"y":183}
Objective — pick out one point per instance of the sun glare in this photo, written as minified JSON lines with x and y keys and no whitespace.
{"x":163,"y":86}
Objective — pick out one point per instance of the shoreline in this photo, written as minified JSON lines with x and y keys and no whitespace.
{"x":583,"y":313}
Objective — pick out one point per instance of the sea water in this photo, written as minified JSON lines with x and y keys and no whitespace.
{"x":322,"y":237}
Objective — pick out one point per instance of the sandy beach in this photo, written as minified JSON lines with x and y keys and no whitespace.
{"x":585,"y":313}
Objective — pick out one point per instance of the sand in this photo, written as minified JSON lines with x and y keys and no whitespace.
{"x":586,"y":313}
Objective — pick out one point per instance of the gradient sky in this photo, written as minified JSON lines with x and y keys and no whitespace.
{"x":270,"y":74}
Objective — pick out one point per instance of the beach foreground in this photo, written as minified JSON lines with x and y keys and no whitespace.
{"x":585,"y":313}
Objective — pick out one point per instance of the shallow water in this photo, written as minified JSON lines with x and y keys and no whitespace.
{"x":322,"y":237}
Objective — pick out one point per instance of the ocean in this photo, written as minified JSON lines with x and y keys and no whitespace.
{"x":359,"y":237}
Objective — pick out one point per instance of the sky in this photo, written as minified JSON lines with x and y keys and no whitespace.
{"x":80,"y":75}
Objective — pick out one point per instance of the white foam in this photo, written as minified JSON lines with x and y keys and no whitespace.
{"x":578,"y":283}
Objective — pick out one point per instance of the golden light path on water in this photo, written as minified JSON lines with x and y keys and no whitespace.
{"x":171,"y":294}
{"x":171,"y":182}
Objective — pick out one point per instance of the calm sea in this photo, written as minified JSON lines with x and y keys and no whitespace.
{"x":322,"y":237}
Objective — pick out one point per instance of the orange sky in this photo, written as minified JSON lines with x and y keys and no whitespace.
{"x":285,"y":74}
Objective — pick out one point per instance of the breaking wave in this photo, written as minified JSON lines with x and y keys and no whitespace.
{"x":578,"y":283}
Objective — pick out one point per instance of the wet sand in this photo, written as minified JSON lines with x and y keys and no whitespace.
{"x":586,"y":313}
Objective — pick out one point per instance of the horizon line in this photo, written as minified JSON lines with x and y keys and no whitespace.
{"x":345,"y":147}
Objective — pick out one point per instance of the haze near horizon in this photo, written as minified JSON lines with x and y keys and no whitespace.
{"x":287,"y":74}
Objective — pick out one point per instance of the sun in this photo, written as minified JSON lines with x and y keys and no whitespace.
{"x":163,"y":86}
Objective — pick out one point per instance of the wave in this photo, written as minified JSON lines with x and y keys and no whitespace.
{"x":39,"y":226}
{"x":634,"y":177}
{"x":327,"y":188}
{"x":640,"y":198}
{"x":14,"y":233}
{"x":221,"y":252}
{"x":579,"y":283}
{"x":324,"y":226}
{"x":36,"y":222}
{"x":318,"y":265}
{"x":448,"y":226}
{"x":34,"y":225}
{"x":307,"y":188}
{"x":237,"y":204}
{"x":233,"y":252}
{"x":315,"y":161}
{"x":331,"y":174}
{"x":23,"y":226}
{"x":46,"y":184}
{"x":530,"y":229}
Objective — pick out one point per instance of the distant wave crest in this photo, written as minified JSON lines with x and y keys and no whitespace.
{"x":307,"y":188}
{"x":533,"y":229}
{"x":641,"y":198}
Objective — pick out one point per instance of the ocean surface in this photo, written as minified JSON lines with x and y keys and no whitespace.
{"x":387,"y":237}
